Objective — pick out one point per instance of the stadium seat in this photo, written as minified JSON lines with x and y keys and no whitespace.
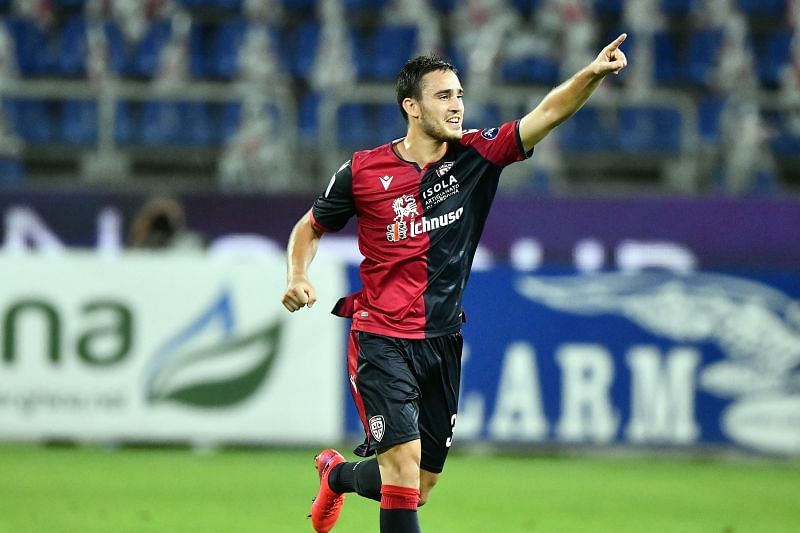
{"x":197,"y":125}
{"x":608,"y":7}
{"x":308,"y":117}
{"x":125,"y":131}
{"x":709,"y":114}
{"x":11,"y":172}
{"x":72,"y":50}
{"x":390,"y":124}
{"x":366,"y":5}
{"x":200,"y":50}
{"x":649,"y":130}
{"x":666,"y":54}
{"x":230,"y":114}
{"x":160,"y":123}
{"x":444,"y":6}
{"x":79,"y":122}
{"x":31,"y":45}
{"x":763,"y":7}
{"x":676,"y":7}
{"x":540,"y":70}
{"x":354,"y":129}
{"x":223,"y":60}
{"x":525,"y":7}
{"x":586,"y":131}
{"x":30,"y":119}
{"x":773,"y":55}
{"x":300,"y":5}
{"x":304,"y":45}
{"x":391,"y":47}
{"x":702,"y":55}
{"x":148,"y":51}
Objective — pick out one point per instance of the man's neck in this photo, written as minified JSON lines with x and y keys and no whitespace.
{"x":421,"y":149}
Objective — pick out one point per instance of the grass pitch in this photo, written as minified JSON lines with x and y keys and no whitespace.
{"x":88,"y":490}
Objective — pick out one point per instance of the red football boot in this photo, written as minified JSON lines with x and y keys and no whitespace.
{"x":328,"y":504}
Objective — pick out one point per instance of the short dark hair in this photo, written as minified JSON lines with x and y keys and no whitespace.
{"x":409,"y":80}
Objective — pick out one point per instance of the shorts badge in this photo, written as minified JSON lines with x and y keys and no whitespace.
{"x":376,"y":427}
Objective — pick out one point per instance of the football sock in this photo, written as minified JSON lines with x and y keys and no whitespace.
{"x":363,"y":477}
{"x":399,"y":509}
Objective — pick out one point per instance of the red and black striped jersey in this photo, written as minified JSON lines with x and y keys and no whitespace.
{"x":418,"y":228}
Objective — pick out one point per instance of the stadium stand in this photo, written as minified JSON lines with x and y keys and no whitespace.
{"x":164,"y":82}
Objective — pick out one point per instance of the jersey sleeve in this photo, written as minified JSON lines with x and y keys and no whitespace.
{"x":335,"y":206}
{"x":501,"y":146}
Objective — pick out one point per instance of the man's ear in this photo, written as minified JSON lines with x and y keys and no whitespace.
{"x":411,"y":107}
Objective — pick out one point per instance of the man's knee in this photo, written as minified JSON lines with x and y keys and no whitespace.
{"x":399,"y":464}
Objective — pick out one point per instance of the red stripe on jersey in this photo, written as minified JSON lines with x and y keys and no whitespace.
{"x":353,"y":348}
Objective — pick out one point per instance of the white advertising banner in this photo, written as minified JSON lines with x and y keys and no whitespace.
{"x":172,"y":347}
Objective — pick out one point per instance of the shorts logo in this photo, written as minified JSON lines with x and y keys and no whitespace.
{"x":377,"y":427}
{"x":490,"y":133}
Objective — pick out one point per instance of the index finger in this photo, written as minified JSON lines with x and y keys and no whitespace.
{"x":618,"y":41}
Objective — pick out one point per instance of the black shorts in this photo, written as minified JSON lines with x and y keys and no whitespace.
{"x":405,"y":390}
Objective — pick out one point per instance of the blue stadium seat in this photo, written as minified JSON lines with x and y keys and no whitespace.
{"x":197,"y":125}
{"x":391,"y":47}
{"x":72,"y":50}
{"x":223,"y":59}
{"x":666,"y":54}
{"x":773,"y":55}
{"x":74,"y":4}
{"x":390,"y":124}
{"x":304,"y":41}
{"x":763,"y":7}
{"x":125,"y":132}
{"x":525,"y":7}
{"x":702,"y":55}
{"x":444,"y":5}
{"x":30,"y":119}
{"x":229,"y":118}
{"x":586,"y":131}
{"x":785,"y":142}
{"x":79,"y":122}
{"x":649,"y":130}
{"x":299,"y":5}
{"x":200,"y":50}
{"x":709,"y":114}
{"x":176,"y":123}
{"x":160,"y":123}
{"x":148,"y":51}
{"x":308,"y":117}
{"x":32,"y":52}
{"x":541,"y":70}
{"x":364,"y":5}
{"x":608,"y":7}
{"x":676,"y":7}
{"x":11,"y":172}
{"x":354,"y":130}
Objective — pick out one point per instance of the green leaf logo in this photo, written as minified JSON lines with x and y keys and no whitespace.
{"x":217,"y":376}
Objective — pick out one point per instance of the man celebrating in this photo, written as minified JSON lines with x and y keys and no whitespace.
{"x":421,"y":202}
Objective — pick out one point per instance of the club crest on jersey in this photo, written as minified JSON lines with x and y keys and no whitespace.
{"x":377,"y":427}
{"x":490,"y":133}
{"x":405,"y":207}
{"x":444,"y":168}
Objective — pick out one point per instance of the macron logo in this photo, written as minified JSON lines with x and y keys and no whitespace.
{"x":385,"y":181}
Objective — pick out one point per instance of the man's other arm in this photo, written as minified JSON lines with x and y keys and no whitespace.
{"x":302,"y":247}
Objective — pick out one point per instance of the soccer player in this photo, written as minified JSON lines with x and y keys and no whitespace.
{"x":421,"y":203}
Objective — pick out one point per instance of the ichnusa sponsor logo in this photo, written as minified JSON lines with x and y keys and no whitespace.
{"x":401,"y":229}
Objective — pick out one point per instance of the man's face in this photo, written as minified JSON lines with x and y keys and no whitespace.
{"x":441,"y":107}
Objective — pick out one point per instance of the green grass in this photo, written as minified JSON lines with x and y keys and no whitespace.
{"x":87,"y":490}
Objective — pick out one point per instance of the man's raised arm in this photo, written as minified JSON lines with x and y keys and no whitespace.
{"x":563,"y":101}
